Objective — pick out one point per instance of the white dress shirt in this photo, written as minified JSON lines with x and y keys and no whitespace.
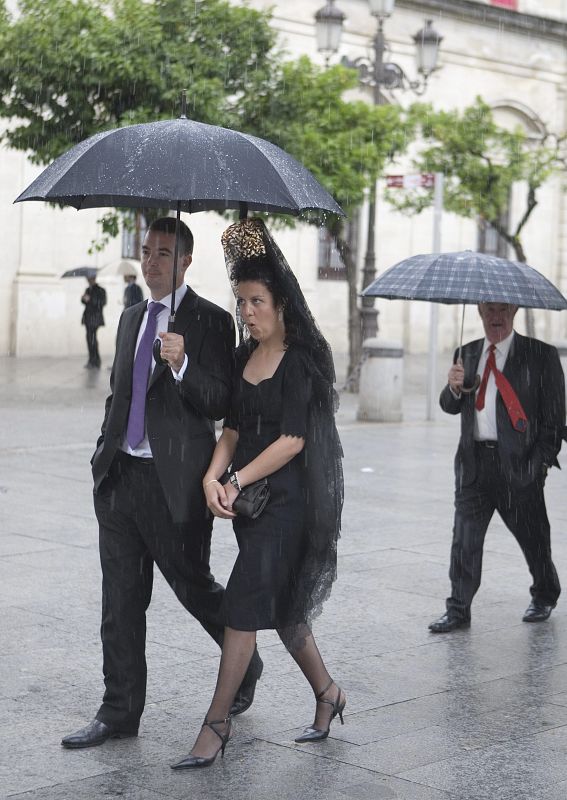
{"x":485,"y":420}
{"x":143,"y":450}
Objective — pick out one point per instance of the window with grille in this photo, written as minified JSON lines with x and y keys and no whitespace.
{"x":132,"y":236}
{"x":331,"y":266}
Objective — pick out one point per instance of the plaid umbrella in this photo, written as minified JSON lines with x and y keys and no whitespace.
{"x":466,"y":277}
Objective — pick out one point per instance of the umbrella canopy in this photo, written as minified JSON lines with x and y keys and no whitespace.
{"x":122,"y":266}
{"x":80,"y":272}
{"x":184,"y":165}
{"x":467,"y":277}
{"x":180,"y":164}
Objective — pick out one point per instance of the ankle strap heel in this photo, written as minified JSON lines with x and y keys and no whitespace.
{"x":192,"y":762}
{"x":313,"y":734}
{"x":224,"y":737}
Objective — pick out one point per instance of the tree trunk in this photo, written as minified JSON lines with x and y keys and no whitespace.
{"x":515,"y":241}
{"x":528,"y":312}
{"x":347,"y":252}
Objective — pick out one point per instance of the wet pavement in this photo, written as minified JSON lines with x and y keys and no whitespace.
{"x":479,"y":714}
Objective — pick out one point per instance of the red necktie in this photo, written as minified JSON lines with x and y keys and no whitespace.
{"x":513,"y":406}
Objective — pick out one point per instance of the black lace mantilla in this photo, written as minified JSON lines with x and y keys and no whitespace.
{"x":322,"y":454}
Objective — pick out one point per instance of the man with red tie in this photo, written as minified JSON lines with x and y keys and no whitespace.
{"x":511,"y":431}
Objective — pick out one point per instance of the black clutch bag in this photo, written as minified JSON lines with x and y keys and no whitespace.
{"x":251,"y":501}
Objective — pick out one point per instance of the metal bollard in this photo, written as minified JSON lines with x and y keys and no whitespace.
{"x":381,"y":381}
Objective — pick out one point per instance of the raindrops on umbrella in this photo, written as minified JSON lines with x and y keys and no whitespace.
{"x":180,"y":164}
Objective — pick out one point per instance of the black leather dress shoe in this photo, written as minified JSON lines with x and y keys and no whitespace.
{"x":95,"y":733}
{"x":448,"y":623}
{"x":537,"y":612}
{"x":245,"y":695}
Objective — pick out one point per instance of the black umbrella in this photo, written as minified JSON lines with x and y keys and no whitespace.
{"x":180,"y":164}
{"x":467,"y":277}
{"x":81,"y":272}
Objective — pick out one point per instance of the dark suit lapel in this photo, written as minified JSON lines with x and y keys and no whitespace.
{"x":184,"y":316}
{"x":516,"y":356}
{"x":132,"y":322}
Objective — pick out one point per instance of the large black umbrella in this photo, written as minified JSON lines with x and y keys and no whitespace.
{"x":180,"y":164}
{"x":467,"y":277}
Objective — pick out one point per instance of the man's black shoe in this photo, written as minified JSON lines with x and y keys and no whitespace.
{"x":245,"y":695}
{"x":537,"y":612}
{"x":446,"y":624}
{"x":95,"y":733}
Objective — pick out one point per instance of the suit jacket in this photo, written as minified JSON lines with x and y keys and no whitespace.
{"x":132,"y":294}
{"x":92,"y":315}
{"x":534,"y":370}
{"x":179,"y":416}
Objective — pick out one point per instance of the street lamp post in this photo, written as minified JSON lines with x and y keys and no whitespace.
{"x":328,"y":28}
{"x":378,"y":74}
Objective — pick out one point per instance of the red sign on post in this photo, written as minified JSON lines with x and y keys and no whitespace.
{"x":424,"y":181}
{"x":513,"y":4}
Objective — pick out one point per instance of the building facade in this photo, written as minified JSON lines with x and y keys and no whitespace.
{"x":512,"y":53}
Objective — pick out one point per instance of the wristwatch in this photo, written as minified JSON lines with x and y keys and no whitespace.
{"x":234,"y":480}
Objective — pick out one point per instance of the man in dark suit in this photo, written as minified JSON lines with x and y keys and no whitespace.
{"x":94,"y":300}
{"x":511,"y":431}
{"x":132,"y":292}
{"x":156,"y":442}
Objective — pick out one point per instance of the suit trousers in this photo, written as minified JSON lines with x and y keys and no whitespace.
{"x":92,"y":345}
{"x":522,"y":511}
{"x":136,"y":531}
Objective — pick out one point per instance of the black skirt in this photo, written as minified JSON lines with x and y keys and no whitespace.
{"x":261,"y":589}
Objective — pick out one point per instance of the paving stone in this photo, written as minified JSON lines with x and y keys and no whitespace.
{"x":43,"y":767}
{"x":107,"y":785}
{"x":503,"y":771}
{"x":480,"y":714}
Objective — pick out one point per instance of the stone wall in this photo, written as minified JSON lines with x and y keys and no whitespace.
{"x":516,"y":62}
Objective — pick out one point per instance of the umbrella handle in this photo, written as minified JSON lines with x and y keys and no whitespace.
{"x":156,"y":350}
{"x":473,"y":388}
{"x":157,"y":353}
{"x":476,"y":383}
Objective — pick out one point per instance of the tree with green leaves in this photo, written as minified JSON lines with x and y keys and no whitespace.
{"x":345,"y":143}
{"x":481,"y":162}
{"x":71,"y":68}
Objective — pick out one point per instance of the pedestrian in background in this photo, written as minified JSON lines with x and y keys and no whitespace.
{"x":132,"y":293}
{"x":511,"y":431}
{"x":94,"y":300}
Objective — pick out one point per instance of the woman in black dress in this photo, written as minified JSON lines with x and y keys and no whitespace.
{"x":281,"y":425}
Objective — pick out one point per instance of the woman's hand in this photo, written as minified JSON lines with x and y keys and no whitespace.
{"x":219,"y":501}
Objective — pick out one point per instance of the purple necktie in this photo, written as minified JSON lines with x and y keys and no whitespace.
{"x":136,"y":429}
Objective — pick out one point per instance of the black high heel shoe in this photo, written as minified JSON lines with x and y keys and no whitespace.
{"x":192,"y":762}
{"x":317,"y":734}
